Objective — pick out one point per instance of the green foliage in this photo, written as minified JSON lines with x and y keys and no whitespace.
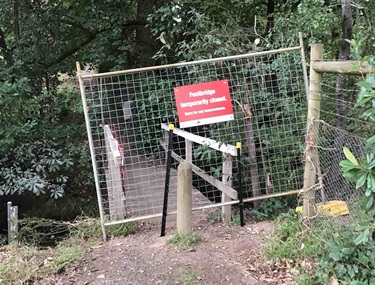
{"x":214,"y":216}
{"x":21,"y":261}
{"x":335,"y":252}
{"x":194,"y":30}
{"x":42,"y":232}
{"x":292,"y":241}
{"x":35,"y":167}
{"x":350,"y":253}
{"x":362,"y":173}
{"x":366,"y":97}
{"x":349,"y":262}
{"x":189,"y":276}
{"x":46,"y":155}
{"x":236,"y":220}
{"x":184,"y":242}
{"x":120,"y":230}
{"x":207,"y":156}
{"x":270,"y":208}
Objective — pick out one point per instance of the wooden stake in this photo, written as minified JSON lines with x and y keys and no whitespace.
{"x":227,"y":180}
{"x":312,"y":135}
{"x":184,"y":198}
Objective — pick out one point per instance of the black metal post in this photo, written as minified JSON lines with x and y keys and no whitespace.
{"x":239,"y":177}
{"x":167,"y":176}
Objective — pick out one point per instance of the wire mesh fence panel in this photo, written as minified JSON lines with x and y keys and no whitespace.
{"x":269,"y":104}
{"x":339,"y":203}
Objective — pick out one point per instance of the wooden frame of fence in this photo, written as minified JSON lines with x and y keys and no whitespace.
{"x":228,"y":193}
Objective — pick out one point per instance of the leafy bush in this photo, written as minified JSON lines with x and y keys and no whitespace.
{"x":43,"y":152}
{"x":347,"y":261}
{"x":270,"y":208}
{"x":35,"y":166}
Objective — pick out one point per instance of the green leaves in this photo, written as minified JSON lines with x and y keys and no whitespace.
{"x":38,"y":167}
{"x":362,"y":173}
{"x":366,"y":96}
{"x":350,"y":156}
{"x":350,"y":257}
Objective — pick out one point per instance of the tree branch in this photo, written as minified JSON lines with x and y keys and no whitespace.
{"x":16,"y":24}
{"x":135,"y":23}
{"x":73,"y":50}
{"x":76,"y":25}
{"x":347,"y":34}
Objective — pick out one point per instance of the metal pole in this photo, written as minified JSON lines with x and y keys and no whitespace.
{"x":92,"y":150}
{"x":183,"y":64}
{"x":167,"y":175}
{"x":233,"y":202}
{"x":239,"y":175}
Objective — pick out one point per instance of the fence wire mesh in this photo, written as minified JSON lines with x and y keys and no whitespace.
{"x":269,"y":104}
{"x":353,"y":132}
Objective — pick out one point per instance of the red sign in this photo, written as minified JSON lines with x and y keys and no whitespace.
{"x":204,"y":103}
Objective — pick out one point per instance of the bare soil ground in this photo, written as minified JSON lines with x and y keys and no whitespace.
{"x":224,"y":255}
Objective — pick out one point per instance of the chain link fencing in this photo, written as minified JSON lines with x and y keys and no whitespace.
{"x":331,"y":185}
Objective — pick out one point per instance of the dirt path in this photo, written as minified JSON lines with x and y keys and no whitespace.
{"x":223,"y":256}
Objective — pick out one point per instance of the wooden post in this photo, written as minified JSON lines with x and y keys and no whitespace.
{"x":227,"y":180}
{"x":311,"y":155}
{"x":184,"y":198}
{"x":12,"y":212}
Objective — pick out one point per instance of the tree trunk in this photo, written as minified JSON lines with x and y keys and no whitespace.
{"x":347,"y":33}
{"x":6,"y":52}
{"x":16,"y":25}
{"x":147,"y":46}
{"x":270,"y":17}
{"x":341,"y":79}
{"x":255,"y":187}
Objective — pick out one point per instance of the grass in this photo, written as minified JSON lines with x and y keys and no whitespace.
{"x":183,"y":242}
{"x":27,"y":264}
{"x":292,"y":241}
{"x":189,"y":276}
{"x":22,"y":263}
{"x":120,"y":230}
{"x":236,"y":220}
{"x":214,"y":216}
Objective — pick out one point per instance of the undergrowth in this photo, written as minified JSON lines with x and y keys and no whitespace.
{"x":273,"y":207}
{"x":183,"y":242}
{"x":330,"y":252}
{"x":29,"y":260}
{"x":291,"y":239}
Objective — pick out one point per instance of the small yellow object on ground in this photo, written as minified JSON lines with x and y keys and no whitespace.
{"x":331,"y":208}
